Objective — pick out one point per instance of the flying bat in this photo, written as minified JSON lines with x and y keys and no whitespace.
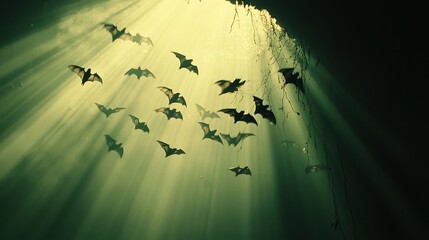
{"x":86,"y":76}
{"x":292,"y":78}
{"x":236,"y":140}
{"x":186,"y":63}
{"x":139,"y":39}
{"x":228,"y":86}
{"x":210,"y":134}
{"x":113,"y":146}
{"x":168,"y":150}
{"x":139,"y":72}
{"x":205,"y":113}
{"x":263,"y":110}
{"x":239,"y":116}
{"x":108,"y":111}
{"x":173,"y":97}
{"x":139,"y":125}
{"x":118,"y":34}
{"x":239,"y":170}
{"x":170,"y":113}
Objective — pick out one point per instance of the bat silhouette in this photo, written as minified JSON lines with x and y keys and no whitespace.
{"x":292,"y":78}
{"x":139,"y":39}
{"x":118,"y":34}
{"x":139,"y":125}
{"x":205,"y":113}
{"x":173,"y":97}
{"x":170,"y":113}
{"x":315,"y":168}
{"x":86,"y":76}
{"x":236,"y":140}
{"x":228,"y":86}
{"x":239,"y":171}
{"x":239,"y":116}
{"x":139,"y":72}
{"x":186,"y":63}
{"x":210,"y":134}
{"x":263,"y":110}
{"x":113,"y":146}
{"x":169,"y":150}
{"x":108,"y":111}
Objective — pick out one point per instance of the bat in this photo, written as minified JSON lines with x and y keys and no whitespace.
{"x":139,"y":72}
{"x":139,"y":125}
{"x":168,"y":150}
{"x":292,"y":78}
{"x":186,"y":63}
{"x":228,"y":86}
{"x":108,"y":111}
{"x":239,"y":171}
{"x":210,"y":134}
{"x":315,"y":168}
{"x":118,"y":34}
{"x":239,"y":116}
{"x":139,"y":39}
{"x":86,"y":76}
{"x":173,"y":97}
{"x":206,"y":114}
{"x":170,"y":113}
{"x":113,"y":146}
{"x":236,"y":140}
{"x":263,"y":110}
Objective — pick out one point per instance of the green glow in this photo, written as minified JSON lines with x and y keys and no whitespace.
{"x":53,"y":154}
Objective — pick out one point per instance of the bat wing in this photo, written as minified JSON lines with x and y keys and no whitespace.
{"x":177,"y":114}
{"x":228,"y":138}
{"x":181,"y":100}
{"x":115,"y":110}
{"x":127,"y":36}
{"x":246,"y":171}
{"x":134,"y":119}
{"x":201,"y":110}
{"x":242,"y":136}
{"x":213,"y":115}
{"x":223,"y":84}
{"x":102,"y":108}
{"x":80,"y":71}
{"x":95,"y":77}
{"x":205,"y":128}
{"x":178,"y":151}
{"x":132,"y":71}
{"x":192,"y":68}
{"x":111,"y":28}
{"x":181,"y":57}
{"x":167,"y":92}
{"x":147,"y":73}
{"x":113,"y":146}
{"x":139,"y":39}
{"x":165,"y":147}
{"x":109,"y":140}
{"x":236,"y":170}
{"x":230,"y":111}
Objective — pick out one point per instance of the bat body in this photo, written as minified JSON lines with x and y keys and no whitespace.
{"x":108,"y":111}
{"x":236,"y":140}
{"x":210,"y":134}
{"x":186,"y":63}
{"x":241,"y":171}
{"x":228,"y":86}
{"x":113,"y":146}
{"x":139,"y":72}
{"x":85,"y":76}
{"x":292,"y":78}
{"x":139,"y":125}
{"x":173,"y":97}
{"x":169,"y":150}
{"x":239,"y":116}
{"x":205,"y":113}
{"x":170,"y":113}
{"x":263,"y":110}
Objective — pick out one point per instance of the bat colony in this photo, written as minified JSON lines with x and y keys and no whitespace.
{"x":175,"y":98}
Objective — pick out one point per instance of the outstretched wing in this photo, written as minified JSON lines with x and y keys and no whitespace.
{"x":242,"y":136}
{"x":164,"y":146}
{"x":127,"y":36}
{"x":230,"y":111}
{"x":223,"y":84}
{"x":115,"y":110}
{"x":95,"y":77}
{"x":236,"y":170}
{"x":139,"y":39}
{"x":134,"y":119}
{"x":167,"y":91}
{"x":263,"y":110}
{"x":193,"y":68}
{"x":139,"y":125}
{"x":248,"y":119}
{"x":293,"y":78}
{"x":170,"y":113}
{"x":205,"y":128}
{"x":132,"y":71}
{"x":181,"y":57}
{"x":111,"y":28}
{"x":147,"y":73}
{"x":80,"y":71}
{"x":228,"y":138}
{"x":102,"y":108}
